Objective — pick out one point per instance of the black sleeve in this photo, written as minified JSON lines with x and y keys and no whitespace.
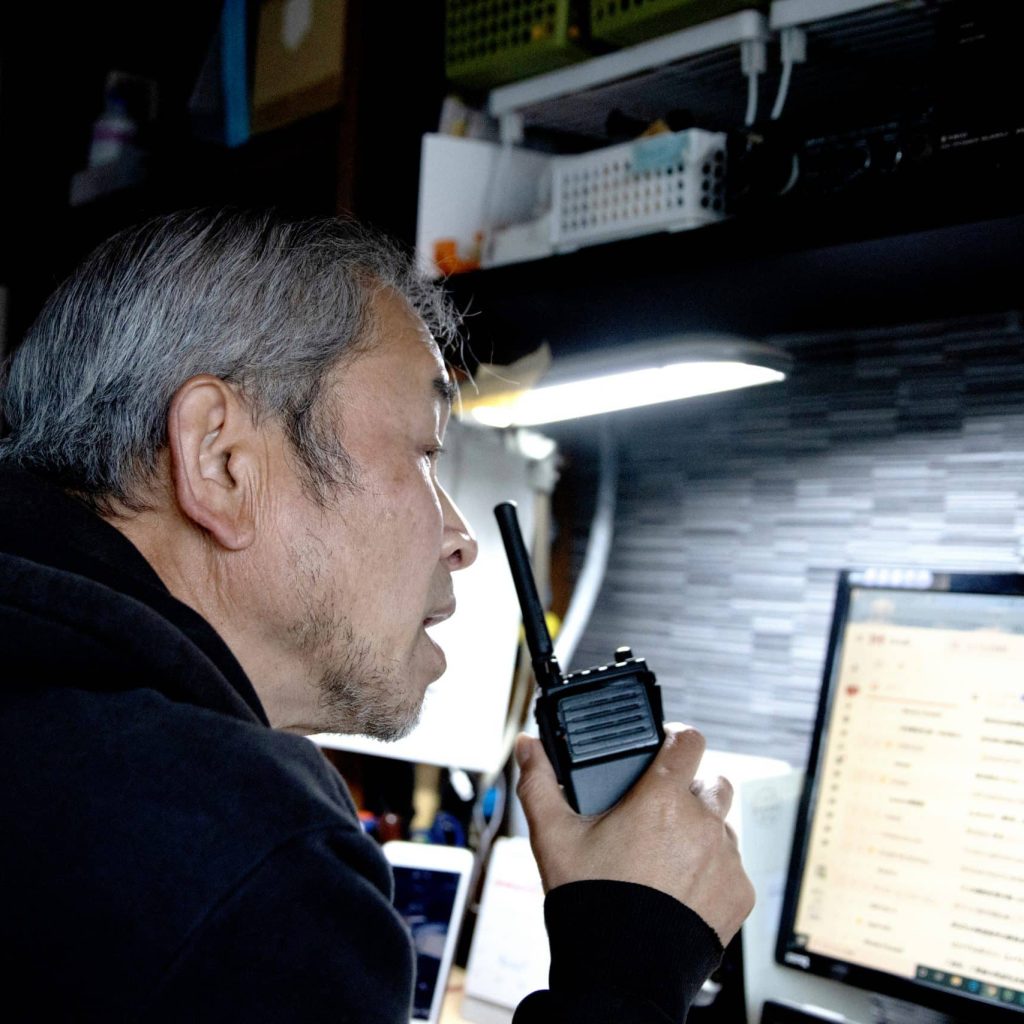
{"x":620,"y":954}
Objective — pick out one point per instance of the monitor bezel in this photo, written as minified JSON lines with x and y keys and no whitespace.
{"x":969,"y":1008}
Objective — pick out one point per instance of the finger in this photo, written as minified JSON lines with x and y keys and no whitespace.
{"x":538,"y":788}
{"x":717,"y":795}
{"x":680,"y":754}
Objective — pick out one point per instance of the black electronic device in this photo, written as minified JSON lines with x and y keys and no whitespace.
{"x":601,"y":727}
{"x":783,"y":1013}
{"x":907,"y":871}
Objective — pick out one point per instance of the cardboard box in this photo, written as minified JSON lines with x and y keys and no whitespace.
{"x":299,"y":57}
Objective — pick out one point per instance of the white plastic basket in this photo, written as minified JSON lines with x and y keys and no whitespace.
{"x":667,"y":182}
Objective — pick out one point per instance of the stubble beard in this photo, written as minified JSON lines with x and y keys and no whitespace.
{"x":359,"y":695}
{"x":360,"y":690}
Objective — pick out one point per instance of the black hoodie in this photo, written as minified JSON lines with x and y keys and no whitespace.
{"x":167,"y":856}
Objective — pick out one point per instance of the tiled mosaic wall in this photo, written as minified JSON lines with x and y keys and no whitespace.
{"x":736,"y":512}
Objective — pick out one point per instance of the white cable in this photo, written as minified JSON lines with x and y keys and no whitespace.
{"x":780,"y":96}
{"x":793,"y":47}
{"x":487,"y":828}
{"x":751,"y":115}
{"x":599,"y":546}
{"x":753,"y":62}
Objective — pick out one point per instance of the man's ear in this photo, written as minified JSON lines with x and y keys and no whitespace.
{"x":215,"y":464}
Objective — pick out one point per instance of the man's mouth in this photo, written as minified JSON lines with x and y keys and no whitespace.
{"x":439,"y":615}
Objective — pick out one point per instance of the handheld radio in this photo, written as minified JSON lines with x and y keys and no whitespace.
{"x":601,"y":727}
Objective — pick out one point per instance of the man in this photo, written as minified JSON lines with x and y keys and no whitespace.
{"x":221,"y":528}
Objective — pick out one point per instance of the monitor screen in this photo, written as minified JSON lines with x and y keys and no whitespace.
{"x":907,"y":872}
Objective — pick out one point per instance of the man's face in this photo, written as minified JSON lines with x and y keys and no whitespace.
{"x":367,"y":575}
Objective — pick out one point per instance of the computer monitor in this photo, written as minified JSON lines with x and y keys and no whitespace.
{"x":907,"y":870}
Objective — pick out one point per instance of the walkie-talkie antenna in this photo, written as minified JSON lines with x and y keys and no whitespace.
{"x":538,"y":639}
{"x":601,"y":727}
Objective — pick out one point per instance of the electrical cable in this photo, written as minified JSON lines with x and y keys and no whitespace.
{"x":751,"y":114}
{"x":793,"y":48}
{"x":487,"y":826}
{"x":486,"y":832}
{"x":780,"y":96}
{"x":753,"y":62}
{"x":599,"y":547}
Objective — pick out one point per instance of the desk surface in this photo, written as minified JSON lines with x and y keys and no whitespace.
{"x":453,"y":997}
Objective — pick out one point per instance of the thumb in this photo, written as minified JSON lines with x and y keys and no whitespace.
{"x":538,"y":788}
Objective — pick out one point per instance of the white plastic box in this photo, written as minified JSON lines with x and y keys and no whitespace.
{"x":471,"y":188}
{"x":526,"y":205}
{"x":668,"y":182}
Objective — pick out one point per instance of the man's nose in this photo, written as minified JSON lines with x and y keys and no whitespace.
{"x":459,"y":549}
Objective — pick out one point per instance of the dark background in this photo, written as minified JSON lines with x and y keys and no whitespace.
{"x":361,"y":157}
{"x":941,"y":238}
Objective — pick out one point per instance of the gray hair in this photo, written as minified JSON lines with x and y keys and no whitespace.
{"x":268,"y":304}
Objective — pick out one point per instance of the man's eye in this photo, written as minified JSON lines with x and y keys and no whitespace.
{"x":434,"y":452}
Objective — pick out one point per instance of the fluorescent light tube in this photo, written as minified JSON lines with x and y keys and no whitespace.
{"x":626,"y":389}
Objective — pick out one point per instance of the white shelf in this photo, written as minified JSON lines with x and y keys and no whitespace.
{"x":788,"y":13}
{"x":699,"y":71}
{"x":633,"y":60}
{"x":638,"y":80}
{"x":850,"y":42}
{"x":871,"y":28}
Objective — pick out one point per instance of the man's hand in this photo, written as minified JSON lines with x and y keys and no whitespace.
{"x":668,"y":832}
